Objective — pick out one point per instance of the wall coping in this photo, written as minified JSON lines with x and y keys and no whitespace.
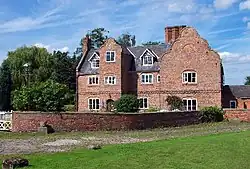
{"x":100,"y":113}
{"x":233,"y":110}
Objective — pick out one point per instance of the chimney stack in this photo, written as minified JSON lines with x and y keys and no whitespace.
{"x":172,"y":33}
{"x":86,"y":45}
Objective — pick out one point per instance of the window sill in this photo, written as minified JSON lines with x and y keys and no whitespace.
{"x":147,"y":83}
{"x":189,"y":83}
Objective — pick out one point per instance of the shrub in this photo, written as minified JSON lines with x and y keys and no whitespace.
{"x":69,"y":107}
{"x":153,"y":109}
{"x":127,"y":103}
{"x":211,"y":114}
{"x":174,"y":102}
{"x":44,"y":96}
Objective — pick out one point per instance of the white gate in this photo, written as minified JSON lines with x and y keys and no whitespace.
{"x":5,"y":121}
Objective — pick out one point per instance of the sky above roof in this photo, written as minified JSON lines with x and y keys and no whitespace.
{"x":60,"y":24}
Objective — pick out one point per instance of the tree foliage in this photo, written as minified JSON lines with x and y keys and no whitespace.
{"x":127,"y":103}
{"x":5,"y":86}
{"x":152,"y":43}
{"x":247,"y":82}
{"x":174,"y":102}
{"x":98,"y":37}
{"x":43,"y":96}
{"x":127,"y":40}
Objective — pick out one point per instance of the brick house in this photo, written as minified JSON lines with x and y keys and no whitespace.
{"x":184,"y":66}
{"x":236,"y":96}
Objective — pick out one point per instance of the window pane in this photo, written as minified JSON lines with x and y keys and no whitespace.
{"x":189,"y":77}
{"x":193,"y":104}
{"x":108,"y":56}
{"x":185,"y":104}
{"x":158,"y":78}
{"x":150,"y":78}
{"x":145,"y":103}
{"x":189,"y":104}
{"x":97,"y":104}
{"x":97,"y":80}
{"x":146,"y":78}
{"x":93,"y":104}
{"x":232,"y":104}
{"x":112,"y":56}
{"x":141,"y":103}
{"x":90,"y":104}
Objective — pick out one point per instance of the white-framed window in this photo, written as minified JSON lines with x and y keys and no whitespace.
{"x":233,"y":104}
{"x":110,"y":56}
{"x":94,"y":103}
{"x":147,"y":78}
{"x":189,"y":77}
{"x":143,"y":103}
{"x":93,"y":80}
{"x":147,"y":60}
{"x":190,"y":104}
{"x":158,"y":78}
{"x":95,"y":63}
{"x":110,"y":80}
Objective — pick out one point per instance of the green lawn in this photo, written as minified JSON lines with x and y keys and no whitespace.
{"x":219,"y":151}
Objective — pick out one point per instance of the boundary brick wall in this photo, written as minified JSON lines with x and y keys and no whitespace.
{"x":66,"y":121}
{"x":241,"y":114}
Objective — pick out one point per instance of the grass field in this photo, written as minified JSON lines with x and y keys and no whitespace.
{"x":217,"y":151}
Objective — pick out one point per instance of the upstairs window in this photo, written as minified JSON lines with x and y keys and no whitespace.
{"x":189,"y":77}
{"x":190,"y":104}
{"x":233,"y":104}
{"x":158,"y":78}
{"x":110,"y":80}
{"x":147,"y":78}
{"x":147,"y":58}
{"x":95,"y":63}
{"x":93,"y":80}
{"x":110,"y":56}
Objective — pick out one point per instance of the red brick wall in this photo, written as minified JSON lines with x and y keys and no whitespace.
{"x":29,"y":121}
{"x":241,"y":114}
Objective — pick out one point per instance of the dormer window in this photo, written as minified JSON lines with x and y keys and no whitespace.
{"x":110,"y":56}
{"x":94,"y":61}
{"x":148,"y":58}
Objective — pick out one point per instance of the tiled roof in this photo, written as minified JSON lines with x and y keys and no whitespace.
{"x":137,"y":51}
{"x":239,"y":91}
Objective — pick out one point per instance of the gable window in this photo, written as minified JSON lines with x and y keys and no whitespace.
{"x":232,"y":104}
{"x":158,"y":78}
{"x":110,"y":56}
{"x":147,"y":60}
{"x":95,"y":63}
{"x":189,"y":77}
{"x":94,"y":104}
{"x":93,"y":80}
{"x":110,"y":80}
{"x":190,"y":104}
{"x":147,"y":78}
{"x":143,"y":103}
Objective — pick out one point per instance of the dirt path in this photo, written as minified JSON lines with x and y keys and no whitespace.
{"x":26,"y":143}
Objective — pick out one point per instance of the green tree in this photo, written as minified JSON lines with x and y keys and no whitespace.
{"x":247,"y":82}
{"x":5,"y":86}
{"x":43,"y":96}
{"x":152,"y":43}
{"x":127,"y":40}
{"x":40,"y":65}
{"x":98,"y":37}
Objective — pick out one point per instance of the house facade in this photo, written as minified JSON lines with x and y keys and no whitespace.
{"x":185,"y":66}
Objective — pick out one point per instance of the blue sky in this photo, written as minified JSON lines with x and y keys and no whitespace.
{"x":60,"y":24}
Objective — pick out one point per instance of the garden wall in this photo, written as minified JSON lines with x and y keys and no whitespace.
{"x":241,"y":114}
{"x":30,"y":121}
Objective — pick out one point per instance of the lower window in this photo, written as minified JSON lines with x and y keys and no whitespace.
{"x":232,"y":104}
{"x":190,"y":104}
{"x":143,"y":103}
{"x":94,"y":104}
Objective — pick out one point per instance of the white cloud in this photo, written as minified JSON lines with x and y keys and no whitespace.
{"x":50,"y":49}
{"x":245,"y":5}
{"x":224,"y":4}
{"x":234,"y":57}
{"x":245,"y":19}
{"x":184,"y":6}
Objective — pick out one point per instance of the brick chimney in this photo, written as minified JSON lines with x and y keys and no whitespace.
{"x":86,"y":45}
{"x":172,"y":33}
